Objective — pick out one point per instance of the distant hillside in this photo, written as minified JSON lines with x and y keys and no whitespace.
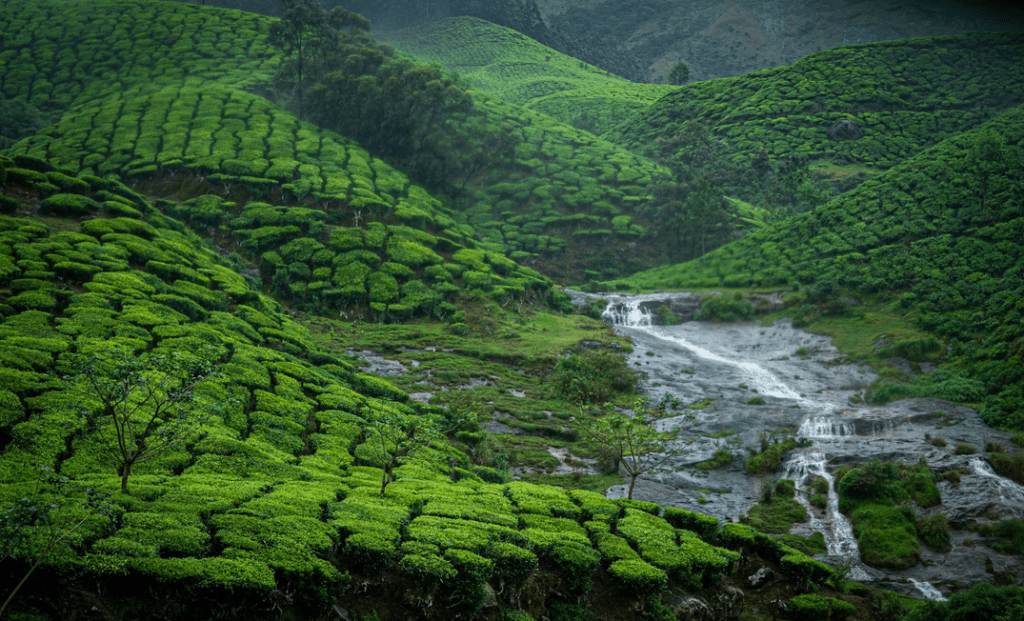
{"x":512,"y":67}
{"x":720,"y":38}
{"x":903,"y":96}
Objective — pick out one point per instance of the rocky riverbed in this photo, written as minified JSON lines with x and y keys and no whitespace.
{"x":808,"y":390}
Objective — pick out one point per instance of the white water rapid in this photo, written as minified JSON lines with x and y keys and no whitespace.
{"x":631,"y":314}
{"x":1010,"y":494}
{"x":803,"y":469}
{"x":929,"y":591}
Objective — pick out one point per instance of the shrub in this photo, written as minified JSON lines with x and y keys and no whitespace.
{"x":886,"y":536}
{"x":1009,"y":466}
{"x":430,"y":570}
{"x":68,"y":205}
{"x":638,"y":577}
{"x":939,"y":384}
{"x":939,"y":442}
{"x":594,"y":377}
{"x":705,"y":526}
{"x":962,"y":448}
{"x":934,"y":531}
{"x":770,"y":458}
{"x":816,"y":607}
{"x":725,"y":307}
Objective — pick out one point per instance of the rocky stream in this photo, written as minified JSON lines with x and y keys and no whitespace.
{"x":808,"y":389}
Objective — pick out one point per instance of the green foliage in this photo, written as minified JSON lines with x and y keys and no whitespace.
{"x":934,"y":531}
{"x":981,"y":601}
{"x":813,"y":607}
{"x":638,"y":577}
{"x":1010,"y":466}
{"x":1010,"y":531}
{"x":940,"y":384}
{"x":769,"y":459}
{"x":725,"y":307}
{"x":594,"y":377}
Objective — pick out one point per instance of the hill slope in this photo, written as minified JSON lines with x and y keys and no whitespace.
{"x":512,"y":67}
{"x":903,"y":95}
{"x":733,"y":37}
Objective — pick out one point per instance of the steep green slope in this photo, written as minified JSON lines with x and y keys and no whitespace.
{"x":904,"y":95}
{"x":57,"y":55}
{"x":512,"y":67}
{"x":276,"y":502}
{"x":942,"y":231}
{"x":535,"y":209}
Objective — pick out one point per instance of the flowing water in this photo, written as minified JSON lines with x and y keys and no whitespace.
{"x":806,"y":389}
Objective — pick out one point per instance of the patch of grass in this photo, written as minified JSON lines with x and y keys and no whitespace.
{"x":777,"y":515}
{"x":1010,"y":531}
{"x":933,"y":530}
{"x":886,"y":536}
{"x":721,"y":458}
{"x":963,"y":448}
{"x":939,"y":442}
{"x":815,"y":544}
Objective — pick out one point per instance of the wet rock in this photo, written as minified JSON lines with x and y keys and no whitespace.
{"x":760,"y":577}
{"x":691,"y":609}
{"x":591,"y":344}
{"x":729,"y":604}
{"x":845,"y":130}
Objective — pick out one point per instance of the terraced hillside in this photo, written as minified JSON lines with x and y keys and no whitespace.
{"x":276,"y":499}
{"x":514,"y":68}
{"x":939,"y":236}
{"x":206,"y":122}
{"x":904,"y":96}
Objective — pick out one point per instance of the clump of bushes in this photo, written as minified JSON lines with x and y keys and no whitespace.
{"x":725,"y":307}
{"x":886,"y":533}
{"x":1009,"y":466}
{"x":940,"y":384}
{"x":594,"y":377}
{"x":933,"y":530}
{"x":962,"y":448}
{"x":770,"y":457}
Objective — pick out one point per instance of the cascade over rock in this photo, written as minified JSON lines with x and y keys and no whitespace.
{"x":723,"y":366}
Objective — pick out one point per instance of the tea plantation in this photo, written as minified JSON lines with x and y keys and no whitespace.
{"x":188,"y":272}
{"x":904,"y":96}
{"x":277,"y":497}
{"x":514,"y":68}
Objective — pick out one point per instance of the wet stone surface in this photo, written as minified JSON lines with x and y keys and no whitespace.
{"x":808,"y":390}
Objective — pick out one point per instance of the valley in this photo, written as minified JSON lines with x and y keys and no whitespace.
{"x":302,"y":320}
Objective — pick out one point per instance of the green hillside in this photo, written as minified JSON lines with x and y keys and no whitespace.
{"x":514,"y":68}
{"x":905,"y":96}
{"x":206,"y":123}
{"x":195,"y":287}
{"x":939,"y":235}
{"x":279,"y":488}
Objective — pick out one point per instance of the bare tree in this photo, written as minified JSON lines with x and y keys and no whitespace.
{"x":638,"y":447}
{"x":145,"y":403}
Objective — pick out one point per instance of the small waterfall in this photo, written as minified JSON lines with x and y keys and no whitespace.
{"x":929,"y":591}
{"x":1011,"y":494}
{"x":630,"y":314}
{"x":803,"y":468}
{"x":825,"y":428}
